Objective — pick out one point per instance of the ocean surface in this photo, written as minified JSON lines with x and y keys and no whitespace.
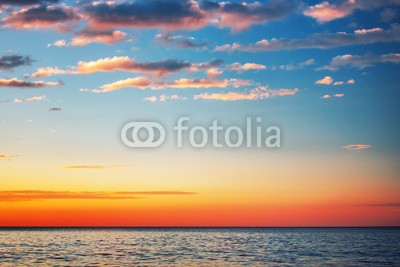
{"x":200,"y":247}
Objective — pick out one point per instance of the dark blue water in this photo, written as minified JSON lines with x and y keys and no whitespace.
{"x":201,"y":247}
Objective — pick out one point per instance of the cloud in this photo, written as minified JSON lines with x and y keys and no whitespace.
{"x":261,"y":92}
{"x":247,"y":66}
{"x":290,"y":67}
{"x":202,"y":83}
{"x":164,"y":98}
{"x":95,"y":166}
{"x":49,"y":71}
{"x":389,"y":14}
{"x":240,"y":16}
{"x":180,"y":41}
{"x":59,"y":43}
{"x":326,"y":96}
{"x":11,"y":61}
{"x":183,"y":83}
{"x":329,"y":96}
{"x":60,"y":17}
{"x":356,"y":147}
{"x":150,"y":99}
{"x":55,"y":109}
{"x":3,"y":156}
{"x":325,"y":11}
{"x":338,"y":83}
{"x":88,"y":36}
{"x":351,"y":81}
{"x":138,"y":82}
{"x":123,"y":63}
{"x":326,"y":80}
{"x":360,"y":62}
{"x":29,"y":100}
{"x":316,"y":41}
{"x":172,"y":14}
{"x":389,"y":204}
{"x":26,"y":2}
{"x":14,"y":82}
{"x":214,"y":73}
{"x":31,"y":195}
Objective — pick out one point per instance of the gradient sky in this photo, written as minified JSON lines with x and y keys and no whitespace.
{"x":72,"y":73}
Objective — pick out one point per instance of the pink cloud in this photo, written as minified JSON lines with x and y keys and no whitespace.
{"x":356,"y":147}
{"x":327,"y":80}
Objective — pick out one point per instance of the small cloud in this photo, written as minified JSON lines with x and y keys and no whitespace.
{"x":3,"y":156}
{"x":338,"y":83}
{"x":16,"y":60}
{"x":89,"y":36}
{"x":31,"y":195}
{"x":326,"y":80}
{"x":356,"y":147}
{"x":291,"y":67}
{"x":351,"y":81}
{"x":55,"y":109}
{"x":94,"y":166}
{"x":247,"y":66}
{"x":329,"y":96}
{"x":326,"y":97}
{"x":29,"y":100}
{"x":164,"y":98}
{"x":261,"y":92}
{"x":14,"y":82}
{"x":53,"y":130}
{"x":180,"y":41}
{"x":59,"y":43}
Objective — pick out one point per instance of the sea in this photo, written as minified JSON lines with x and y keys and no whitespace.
{"x":200,"y":246}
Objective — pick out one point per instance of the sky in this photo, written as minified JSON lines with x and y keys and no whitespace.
{"x":72,"y":73}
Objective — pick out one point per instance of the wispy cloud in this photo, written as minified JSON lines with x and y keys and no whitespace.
{"x":55,"y":109}
{"x":93,"y":166}
{"x":142,"y":82}
{"x":290,"y":67}
{"x":29,"y":100}
{"x":59,"y":43}
{"x":247,"y":66}
{"x":30,"y":195}
{"x":317,"y":41}
{"x":356,"y":147}
{"x":360,"y":62}
{"x":329,"y":96}
{"x":240,"y":16}
{"x":261,"y":92}
{"x":163,"y":98}
{"x":123,"y":63}
{"x":14,"y":82}
{"x":180,"y":41}
{"x":106,"y":36}
{"x":326,"y":11}
{"x":26,"y":2}
{"x":3,"y":156}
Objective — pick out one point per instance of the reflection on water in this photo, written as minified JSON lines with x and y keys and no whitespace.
{"x":201,"y":246}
